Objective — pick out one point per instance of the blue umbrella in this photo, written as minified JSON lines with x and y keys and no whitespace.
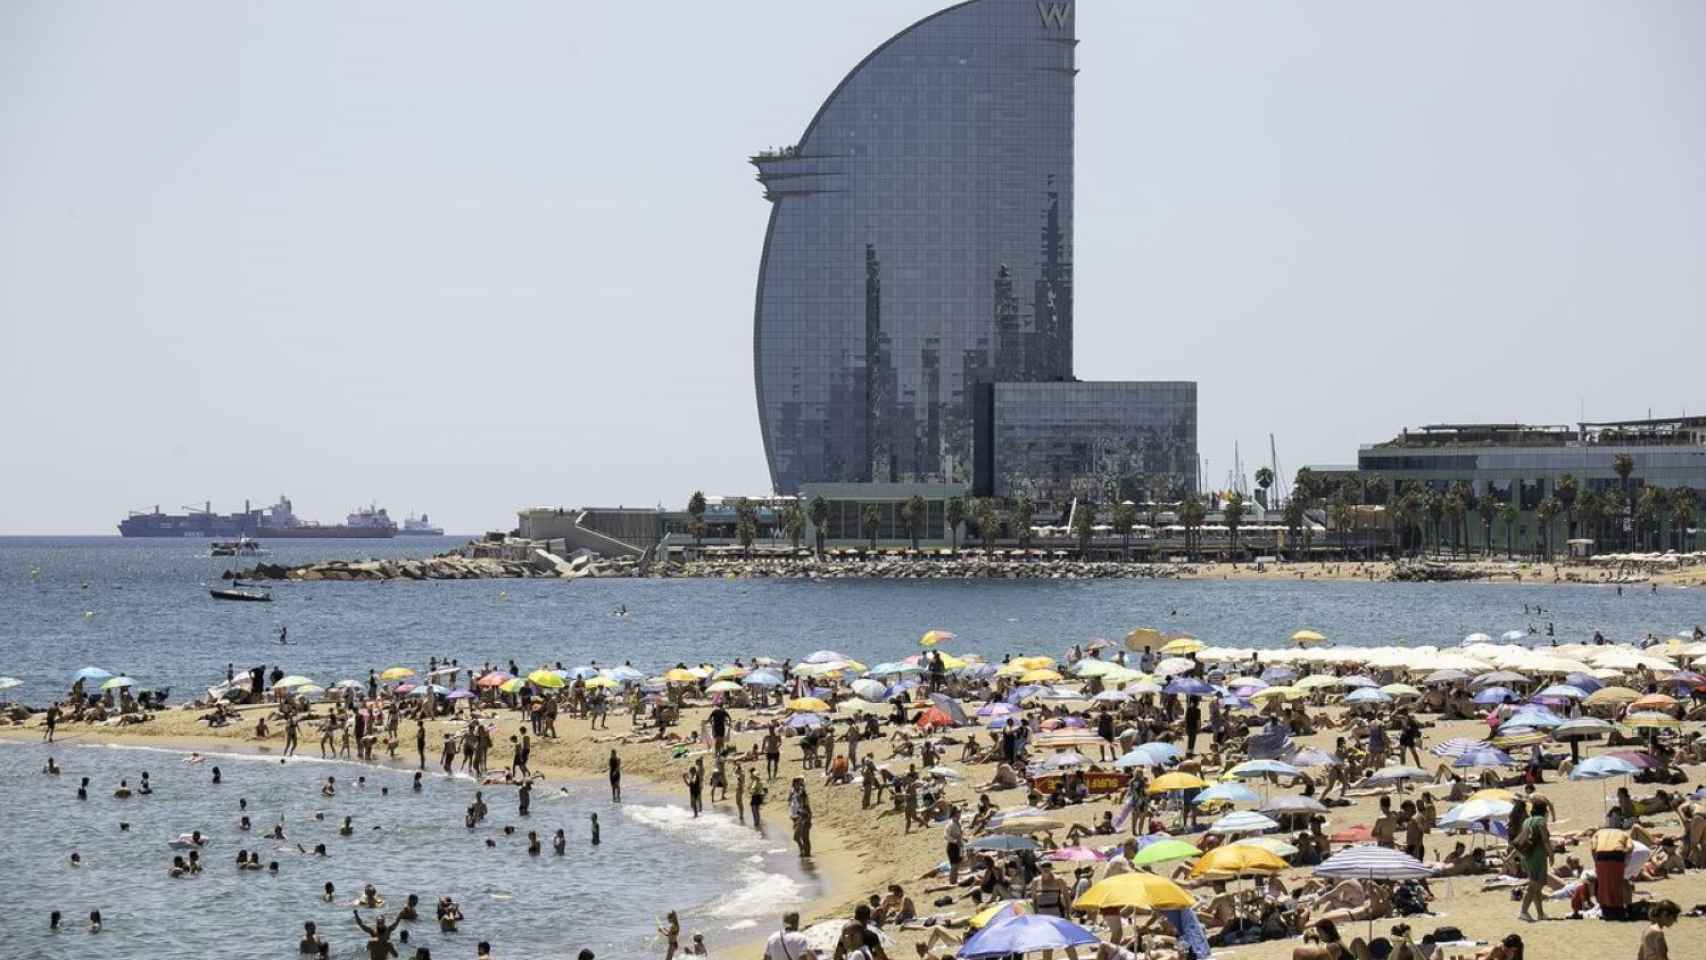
{"x":624,"y":674}
{"x":757,"y":678}
{"x":90,"y":673}
{"x":1020,"y":693}
{"x":1484,"y":757}
{"x":1567,"y":690}
{"x":1228,"y":793}
{"x":1190,"y":686}
{"x":1279,"y":674}
{"x":1456,"y":747}
{"x":1537,"y":717}
{"x":1026,"y":934}
{"x":1155,"y":754}
{"x":800,"y":721}
{"x":1359,"y":681}
{"x":1002,"y":841}
{"x":1368,"y":695}
{"x":1583,"y":681}
{"x":1373,"y":862}
{"x":1257,"y":768}
{"x":1492,"y":695}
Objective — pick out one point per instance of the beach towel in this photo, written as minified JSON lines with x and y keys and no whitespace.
{"x":1191,"y":931}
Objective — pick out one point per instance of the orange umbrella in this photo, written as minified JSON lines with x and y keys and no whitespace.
{"x":1654,"y":701}
{"x":935,"y":717}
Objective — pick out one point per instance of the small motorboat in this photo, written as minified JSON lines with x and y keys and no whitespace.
{"x":242,"y":591}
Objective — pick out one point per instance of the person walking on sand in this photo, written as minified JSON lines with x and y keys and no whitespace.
{"x":1533,"y":842}
{"x":695,"y":780}
{"x":52,"y":722}
{"x":420,"y":741}
{"x":800,"y":810}
{"x":740,"y":792}
{"x":615,"y":777}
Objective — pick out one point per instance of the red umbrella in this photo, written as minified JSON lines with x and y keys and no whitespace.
{"x":496,"y":678}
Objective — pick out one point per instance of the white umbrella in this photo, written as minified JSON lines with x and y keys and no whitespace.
{"x":1243,"y":821}
{"x":1173,"y":665}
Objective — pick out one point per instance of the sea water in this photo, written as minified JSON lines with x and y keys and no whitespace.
{"x":721,"y":875}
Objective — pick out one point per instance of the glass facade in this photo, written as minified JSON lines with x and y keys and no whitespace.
{"x":919,"y":245}
{"x":1103,"y":442}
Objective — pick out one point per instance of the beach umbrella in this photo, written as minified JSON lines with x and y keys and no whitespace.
{"x":1373,"y":862}
{"x":1259,"y":768}
{"x":1278,"y":693}
{"x":627,"y":674}
{"x":496,"y":678}
{"x":1279,"y":673}
{"x":933,"y":637}
{"x":1189,"y":686}
{"x":1164,"y":851}
{"x":1490,"y":695}
{"x":1111,"y":696}
{"x":998,"y":910}
{"x":292,"y":681}
{"x":1456,"y":747}
{"x":1003,"y":843}
{"x":1368,"y":695}
{"x":1138,"y":890}
{"x":1586,"y":681}
{"x":1243,"y":821}
{"x":1169,"y":782}
{"x":1319,"y":681}
{"x":1602,"y":767}
{"x":1253,"y":683}
{"x":1538,"y":718}
{"x":546,"y":679}
{"x":808,"y":705}
{"x":1094,"y":668}
{"x":427,"y":689}
{"x":1310,"y":757}
{"x":1654,"y":701}
{"x":390,"y":674}
{"x":310,"y":690}
{"x":1174,"y":665}
{"x":1182,"y":646}
{"x":1473,"y":811}
{"x":1564,"y":690}
{"x":1237,"y":860}
{"x":1290,"y":804}
{"x":513,"y":685}
{"x":1400,"y":690}
{"x":1582,"y":728}
{"x":90,"y":673}
{"x":1062,"y":761}
{"x":1144,"y":637}
{"x":1273,"y":845}
{"x":117,"y":682}
{"x":801,"y":721}
{"x":1149,"y":755}
{"x":758,"y":678}
{"x":1498,"y":677}
{"x":1639,"y":721}
{"x":1040,"y":675}
{"x":1484,"y":757}
{"x":724,"y":686}
{"x":1308,"y":638}
{"x":459,"y":695}
{"x":1513,"y":738}
{"x":1444,"y":676}
{"x":996,"y":709}
{"x":601,"y":682}
{"x":678,"y":675}
{"x":1025,"y":933}
{"x":870,"y":689}
{"x":1355,"y":680}
{"x":1227,"y":793}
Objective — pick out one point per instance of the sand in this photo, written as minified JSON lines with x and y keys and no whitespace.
{"x":860,"y":852}
{"x":1495,"y":570}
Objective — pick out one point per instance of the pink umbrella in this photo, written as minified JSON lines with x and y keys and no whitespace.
{"x":1075,"y":853}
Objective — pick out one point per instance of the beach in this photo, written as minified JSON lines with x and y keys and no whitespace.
{"x":858,"y":852}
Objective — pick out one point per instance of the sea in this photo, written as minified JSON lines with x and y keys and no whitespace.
{"x":141,"y":608}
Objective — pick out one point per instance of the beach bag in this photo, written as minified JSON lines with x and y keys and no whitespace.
{"x":1446,"y":934}
{"x":1523,"y":842}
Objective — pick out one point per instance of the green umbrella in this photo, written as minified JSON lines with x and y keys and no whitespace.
{"x":1164,"y":851}
{"x":117,"y":682}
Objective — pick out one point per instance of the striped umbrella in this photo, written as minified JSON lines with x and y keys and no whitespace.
{"x":1243,"y":821}
{"x":1456,"y":747}
{"x":1373,"y":862}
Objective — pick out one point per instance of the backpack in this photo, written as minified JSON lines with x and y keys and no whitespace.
{"x":1523,"y":842}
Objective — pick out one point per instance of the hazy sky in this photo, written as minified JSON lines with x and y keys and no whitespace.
{"x":466,"y":257}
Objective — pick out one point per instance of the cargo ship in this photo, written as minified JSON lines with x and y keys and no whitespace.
{"x":277,"y":522}
{"x":420,"y":526}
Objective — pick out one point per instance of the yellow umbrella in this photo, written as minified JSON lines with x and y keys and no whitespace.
{"x":396,"y":673}
{"x":1034,"y":663}
{"x":808,"y":705}
{"x":1283,"y":693}
{"x":951,"y":662}
{"x":1183,"y":645}
{"x":545,"y":678}
{"x":513,"y":684}
{"x":1044,"y":675}
{"x":1169,"y":782}
{"x":1400,"y":690}
{"x":1305,"y":638}
{"x":729,"y":673}
{"x":1511,"y":741}
{"x":679,"y":675}
{"x":1494,"y":793}
{"x":1611,"y":696}
{"x":1237,"y":859}
{"x":1020,"y":908}
{"x":1012,"y":670}
{"x":933,"y":637}
{"x":597,"y":682}
{"x":1651,"y":719}
{"x":1143,"y":637}
{"x":1145,"y":891}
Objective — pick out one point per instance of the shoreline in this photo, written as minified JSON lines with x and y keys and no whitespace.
{"x":830,"y":869}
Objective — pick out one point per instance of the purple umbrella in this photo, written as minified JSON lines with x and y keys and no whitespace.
{"x":1190,"y":686}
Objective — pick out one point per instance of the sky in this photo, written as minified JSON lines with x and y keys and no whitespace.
{"x":464,"y":258}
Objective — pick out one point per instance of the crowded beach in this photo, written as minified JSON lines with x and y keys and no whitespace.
{"x":1154,"y":796}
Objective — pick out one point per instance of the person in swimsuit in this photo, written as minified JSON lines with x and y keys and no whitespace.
{"x":671,"y":932}
{"x":615,"y":777}
{"x":379,"y":935}
{"x":1321,"y":943}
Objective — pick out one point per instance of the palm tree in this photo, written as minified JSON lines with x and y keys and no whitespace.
{"x":913,"y":513}
{"x":1339,"y":516}
{"x":1294,"y":516}
{"x":819,"y":511}
{"x":1567,"y":491}
{"x":1084,"y":526}
{"x":871,"y":519}
{"x":1377,"y":489}
{"x":1456,"y":509}
{"x":956,"y":515}
{"x":746,"y":524}
{"x":1508,"y":515}
{"x":1624,"y":465}
{"x":1544,"y":515}
{"x":1649,"y":512}
{"x":1682,"y":516}
{"x":1434,"y":506}
{"x":1488,"y":508}
{"x":1124,"y":518}
{"x":1023,"y":513}
{"x":1232,"y":514}
{"x":987,"y":519}
{"x":1264,"y":480}
{"x":1191,"y":516}
{"x":794,"y":524}
{"x":1588,"y":516}
{"x":696,"y":516}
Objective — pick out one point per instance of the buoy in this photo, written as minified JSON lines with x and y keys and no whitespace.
{"x":88,"y":614}
{"x":503,"y":594}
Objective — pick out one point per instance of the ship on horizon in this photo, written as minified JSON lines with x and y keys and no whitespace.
{"x":277,"y":522}
{"x":420,"y":526}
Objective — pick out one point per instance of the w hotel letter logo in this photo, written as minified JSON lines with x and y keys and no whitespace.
{"x":1054,"y":15}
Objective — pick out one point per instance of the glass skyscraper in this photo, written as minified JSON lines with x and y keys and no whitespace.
{"x":919,"y":248}
{"x":919,"y":244}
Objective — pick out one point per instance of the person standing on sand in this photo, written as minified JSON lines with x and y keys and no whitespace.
{"x":52,"y":722}
{"x":757,"y":801}
{"x":1653,"y":945}
{"x":615,"y":777}
{"x":695,"y":780}
{"x":740,"y":791}
{"x":772,"y":752}
{"x":420,"y":740}
{"x":800,"y":810}
{"x":1534,"y":844}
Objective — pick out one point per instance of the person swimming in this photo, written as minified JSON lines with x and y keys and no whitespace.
{"x":51,"y":768}
{"x":370,"y":898}
{"x":123,"y":791}
{"x":347,"y":829}
{"x":330,"y":894}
